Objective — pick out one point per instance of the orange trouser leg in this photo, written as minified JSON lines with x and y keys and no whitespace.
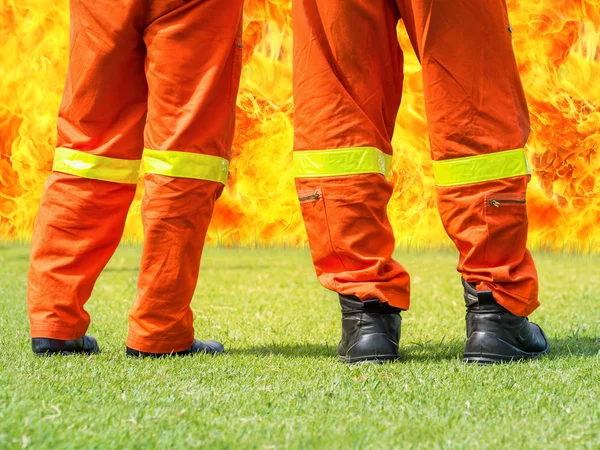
{"x":476,"y":106}
{"x":81,"y":219}
{"x":193,"y":71}
{"x":347,"y":89}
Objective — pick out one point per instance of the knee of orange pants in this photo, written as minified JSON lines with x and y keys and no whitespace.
{"x":488,"y":223}
{"x":176,"y":214}
{"x":351,"y":239}
{"x":78,"y":227}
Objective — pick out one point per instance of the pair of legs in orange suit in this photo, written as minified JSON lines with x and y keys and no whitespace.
{"x":164,"y":77}
{"x":348,"y":86}
{"x":151,"y":83}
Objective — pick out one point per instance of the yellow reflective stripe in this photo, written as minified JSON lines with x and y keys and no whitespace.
{"x":477,"y":169}
{"x":341,"y":161}
{"x":86,"y":165}
{"x":186,"y":165}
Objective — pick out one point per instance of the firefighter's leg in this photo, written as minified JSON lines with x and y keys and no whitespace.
{"x":347,"y":89}
{"x":479,"y":124}
{"x":100,"y":143}
{"x":193,"y":71}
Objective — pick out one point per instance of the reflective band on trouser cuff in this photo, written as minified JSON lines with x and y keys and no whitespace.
{"x":94,"y":167}
{"x":186,"y":165}
{"x":477,"y":169}
{"x":341,"y":161}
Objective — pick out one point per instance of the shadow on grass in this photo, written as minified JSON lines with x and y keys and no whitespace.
{"x":562,"y":347}
{"x":431,"y":350}
{"x":422,"y":351}
{"x":567,"y":347}
{"x":288,"y":350}
{"x":412,"y":351}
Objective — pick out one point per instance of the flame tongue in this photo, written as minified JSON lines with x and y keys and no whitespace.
{"x":557,"y":46}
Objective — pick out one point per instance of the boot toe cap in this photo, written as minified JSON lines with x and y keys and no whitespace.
{"x":208,"y":346}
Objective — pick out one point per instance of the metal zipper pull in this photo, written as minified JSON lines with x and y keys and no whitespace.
{"x":314,"y":196}
{"x":498,"y":203}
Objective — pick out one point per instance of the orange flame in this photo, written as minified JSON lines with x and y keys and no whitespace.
{"x":557,"y":46}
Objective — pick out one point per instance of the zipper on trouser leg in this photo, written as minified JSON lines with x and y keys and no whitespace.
{"x":310,"y":195}
{"x":498,"y":203}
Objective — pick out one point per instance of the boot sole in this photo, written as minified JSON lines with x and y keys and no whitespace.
{"x":131,"y":353}
{"x":50,"y":352}
{"x":377,"y":359}
{"x":65,"y":353}
{"x":169,"y":355}
{"x":493,"y":350}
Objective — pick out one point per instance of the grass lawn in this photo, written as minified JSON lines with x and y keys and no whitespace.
{"x":280,"y":384}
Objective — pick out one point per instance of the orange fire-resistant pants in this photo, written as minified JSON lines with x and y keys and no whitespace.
{"x":348,"y":77}
{"x":156,"y":78}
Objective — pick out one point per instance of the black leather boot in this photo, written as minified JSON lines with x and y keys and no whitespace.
{"x":494,"y":334}
{"x":210,"y":347}
{"x":46,"y":346}
{"x":370,"y":331}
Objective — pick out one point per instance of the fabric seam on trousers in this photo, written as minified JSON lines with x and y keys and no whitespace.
{"x":331,"y":243}
{"x":328,"y":53}
{"x":473,"y":110}
{"x":512,"y":88}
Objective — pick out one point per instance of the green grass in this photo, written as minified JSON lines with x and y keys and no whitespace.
{"x":280,"y":384}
